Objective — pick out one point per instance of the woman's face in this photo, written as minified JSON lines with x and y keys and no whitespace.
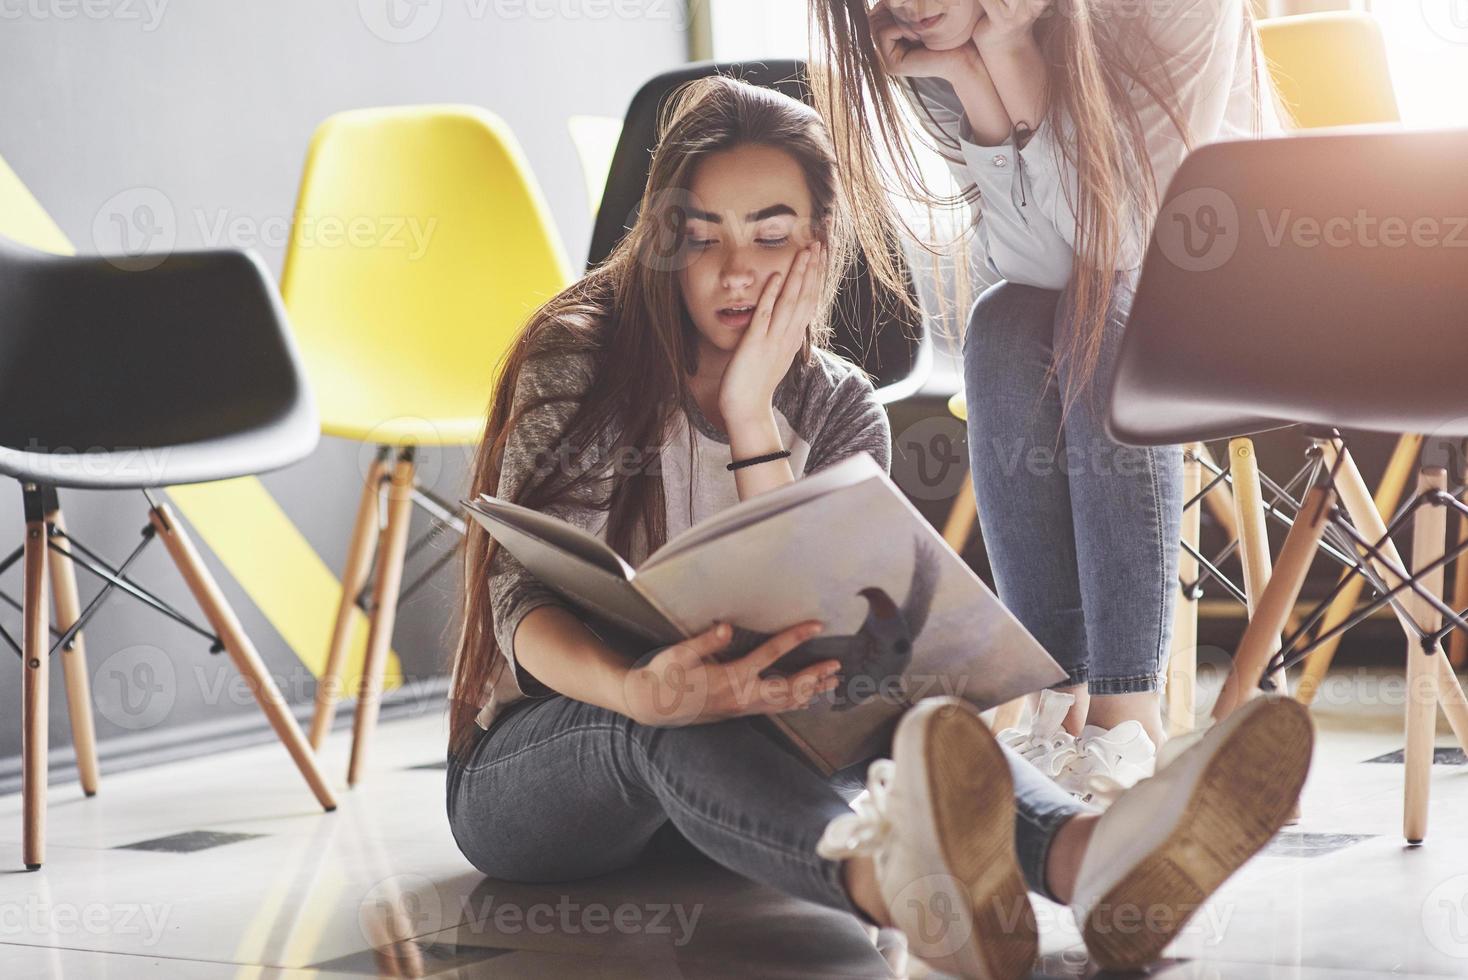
{"x":749,"y":215}
{"x":941,"y":25}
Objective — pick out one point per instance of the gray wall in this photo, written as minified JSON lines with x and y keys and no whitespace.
{"x":206,"y":106}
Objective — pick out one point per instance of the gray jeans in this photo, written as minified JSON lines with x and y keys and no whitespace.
{"x":558,"y":789}
{"x":1081,"y":531}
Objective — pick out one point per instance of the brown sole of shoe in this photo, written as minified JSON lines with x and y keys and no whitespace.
{"x":1241,"y":800}
{"x":973,"y":804}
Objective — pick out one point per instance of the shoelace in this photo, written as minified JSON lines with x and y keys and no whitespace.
{"x":868,"y":826}
{"x":1097,"y":785}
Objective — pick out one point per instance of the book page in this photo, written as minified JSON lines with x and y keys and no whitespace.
{"x":552,"y":530}
{"x":584,"y":581}
{"x":904,"y":614}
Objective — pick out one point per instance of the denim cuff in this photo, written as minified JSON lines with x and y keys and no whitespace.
{"x":1137,"y":684}
{"x":1074,"y":676}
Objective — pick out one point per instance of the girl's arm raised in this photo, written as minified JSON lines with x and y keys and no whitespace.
{"x":903,"y":55}
{"x":764,"y":355}
{"x":1005,"y":39}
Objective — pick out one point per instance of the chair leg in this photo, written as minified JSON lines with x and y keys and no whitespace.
{"x":384,"y":611}
{"x":1276,"y":601}
{"x":1007,"y":715}
{"x":73,"y":656}
{"x":354,"y":576}
{"x":246,"y":658}
{"x":1356,"y":499}
{"x":35,"y":694}
{"x":1220,"y":499}
{"x":1253,"y":531}
{"x":1388,"y":495}
{"x":962,"y":517}
{"x":1458,"y":640}
{"x":1182,"y":662}
{"x":1429,"y":538}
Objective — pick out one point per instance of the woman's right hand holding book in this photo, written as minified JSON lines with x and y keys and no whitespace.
{"x":687,"y":684}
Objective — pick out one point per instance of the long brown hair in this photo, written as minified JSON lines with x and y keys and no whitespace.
{"x":627,"y":320}
{"x":1091,"y":63}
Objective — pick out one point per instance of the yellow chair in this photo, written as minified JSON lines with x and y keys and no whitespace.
{"x":421,"y":244}
{"x":1331,"y":70}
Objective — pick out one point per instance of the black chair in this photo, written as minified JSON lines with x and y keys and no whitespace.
{"x":895,"y":351}
{"x":119,"y":377}
{"x":1321,"y":280}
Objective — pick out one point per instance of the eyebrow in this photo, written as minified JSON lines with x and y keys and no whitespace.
{"x":773,"y":211}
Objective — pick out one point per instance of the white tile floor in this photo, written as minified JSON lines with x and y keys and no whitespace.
{"x":297,"y":893}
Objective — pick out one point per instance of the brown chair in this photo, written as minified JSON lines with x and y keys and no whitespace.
{"x":1284,"y":278}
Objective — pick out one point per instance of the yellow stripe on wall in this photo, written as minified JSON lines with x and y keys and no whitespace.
{"x":23,"y":219}
{"x":285,"y":578}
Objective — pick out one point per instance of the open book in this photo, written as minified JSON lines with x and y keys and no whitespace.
{"x":903,"y":613}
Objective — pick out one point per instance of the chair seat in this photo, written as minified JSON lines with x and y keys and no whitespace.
{"x":1316,"y":279}
{"x":121,"y":374}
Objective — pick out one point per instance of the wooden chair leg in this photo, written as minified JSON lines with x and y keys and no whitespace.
{"x":74,"y":655}
{"x":962,"y":517}
{"x":1276,"y":601}
{"x":1182,"y":662}
{"x":36,"y":644}
{"x":1253,"y":532}
{"x":1008,"y":714}
{"x":1356,"y":499}
{"x":1458,"y":639}
{"x":359,"y":561}
{"x":246,"y":658}
{"x":1220,"y":499}
{"x":1388,"y":496}
{"x":1429,"y":539}
{"x":384,"y":611}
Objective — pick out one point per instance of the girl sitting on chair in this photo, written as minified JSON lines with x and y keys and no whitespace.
{"x":697,"y":346}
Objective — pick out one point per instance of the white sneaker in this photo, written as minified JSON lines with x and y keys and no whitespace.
{"x":938,"y":822}
{"x":1107,"y":762}
{"x":1170,"y":841}
{"x":1046,"y":745}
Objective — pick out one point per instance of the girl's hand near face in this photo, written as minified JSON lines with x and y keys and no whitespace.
{"x":902,"y":54}
{"x":686,"y":684}
{"x":787,"y":304}
{"x":1007,"y":24}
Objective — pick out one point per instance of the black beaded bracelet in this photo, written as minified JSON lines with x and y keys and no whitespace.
{"x":767,"y":458}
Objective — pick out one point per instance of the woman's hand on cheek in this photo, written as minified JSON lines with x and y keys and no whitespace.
{"x":787,"y":304}
{"x":1007,"y":24}
{"x":903,"y":55}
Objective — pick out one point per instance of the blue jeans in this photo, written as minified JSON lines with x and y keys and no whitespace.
{"x":1081,"y":532}
{"x":558,"y":789}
